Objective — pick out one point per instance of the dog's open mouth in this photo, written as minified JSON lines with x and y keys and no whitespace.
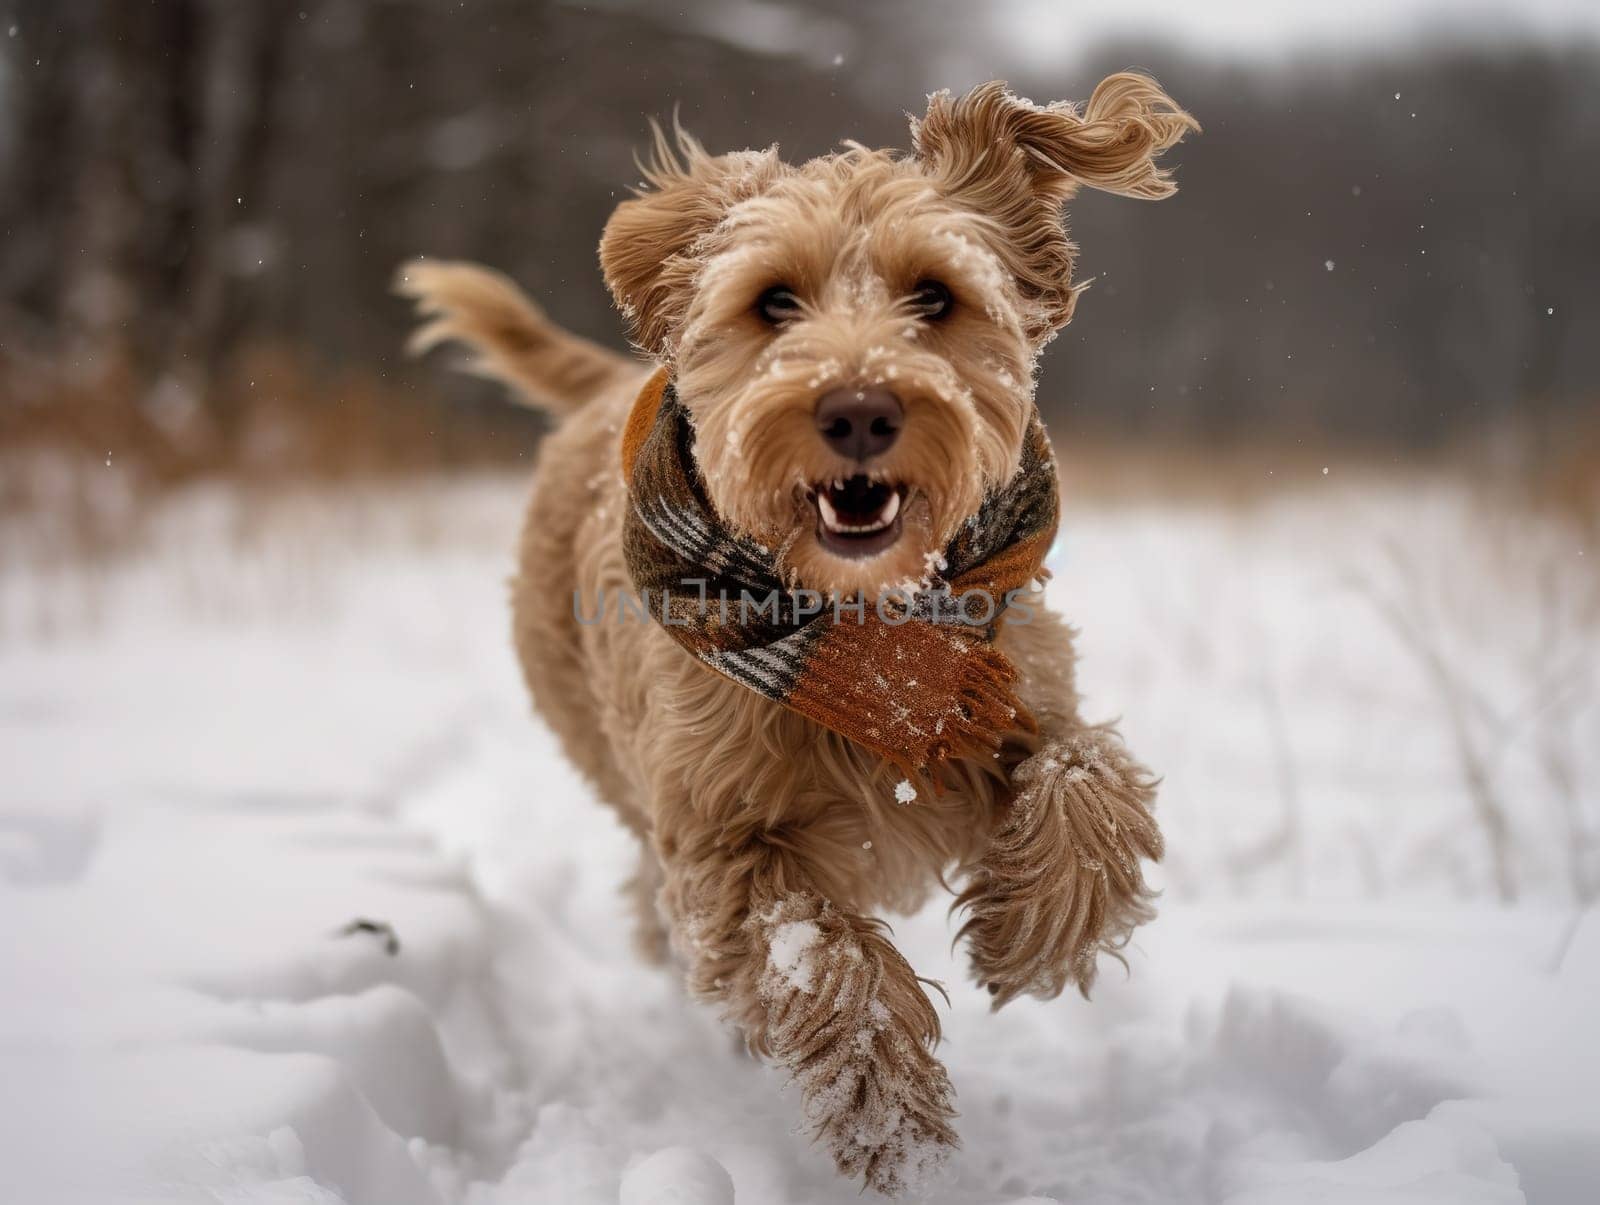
{"x":857,"y":516}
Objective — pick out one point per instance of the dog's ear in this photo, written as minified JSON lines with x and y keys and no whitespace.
{"x":649,"y":251}
{"x":1018,"y":163}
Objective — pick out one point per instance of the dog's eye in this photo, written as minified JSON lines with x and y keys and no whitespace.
{"x":778,"y":305}
{"x":931,"y":300}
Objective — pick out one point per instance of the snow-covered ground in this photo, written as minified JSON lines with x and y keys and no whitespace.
{"x":266,"y":718}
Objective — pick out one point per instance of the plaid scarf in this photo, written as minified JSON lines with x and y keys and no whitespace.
{"x":906,"y":678}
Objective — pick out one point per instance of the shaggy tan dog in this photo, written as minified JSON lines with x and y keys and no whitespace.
{"x":869,"y":317}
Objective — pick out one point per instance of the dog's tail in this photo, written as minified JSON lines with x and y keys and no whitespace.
{"x":514,"y":342}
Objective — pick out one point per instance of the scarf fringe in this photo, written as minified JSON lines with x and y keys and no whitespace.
{"x":917,"y":695}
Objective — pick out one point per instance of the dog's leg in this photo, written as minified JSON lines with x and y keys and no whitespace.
{"x":1060,"y":881}
{"x":822,"y":992}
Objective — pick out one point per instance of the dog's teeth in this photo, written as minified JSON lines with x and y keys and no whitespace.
{"x":886,"y":516}
{"x":830,"y":517}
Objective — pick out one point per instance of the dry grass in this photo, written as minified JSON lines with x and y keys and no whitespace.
{"x":84,"y":469}
{"x":1553,"y":472}
{"x":81,"y":466}
{"x":277,"y":415}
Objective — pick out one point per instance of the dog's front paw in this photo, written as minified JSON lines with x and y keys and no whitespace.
{"x":886,"y":1116}
{"x":846,"y":1015}
{"x":1061,"y":880}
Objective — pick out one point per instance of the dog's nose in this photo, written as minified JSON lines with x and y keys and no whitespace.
{"x":860,"y":422}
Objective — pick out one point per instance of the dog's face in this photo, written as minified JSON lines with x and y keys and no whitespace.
{"x":855,"y":337}
{"x":857,"y":363}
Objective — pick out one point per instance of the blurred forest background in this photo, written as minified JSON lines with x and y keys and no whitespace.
{"x":203,"y":202}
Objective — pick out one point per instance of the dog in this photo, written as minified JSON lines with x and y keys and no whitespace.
{"x":850,"y":345}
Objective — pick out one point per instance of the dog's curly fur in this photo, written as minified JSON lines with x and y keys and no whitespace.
{"x":769,"y":842}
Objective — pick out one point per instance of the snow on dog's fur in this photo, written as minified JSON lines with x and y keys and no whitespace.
{"x":932,"y":279}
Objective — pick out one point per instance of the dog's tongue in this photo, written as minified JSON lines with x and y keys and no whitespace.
{"x":859,"y":500}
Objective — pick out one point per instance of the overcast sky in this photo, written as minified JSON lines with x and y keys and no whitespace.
{"x":1050,"y":29}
